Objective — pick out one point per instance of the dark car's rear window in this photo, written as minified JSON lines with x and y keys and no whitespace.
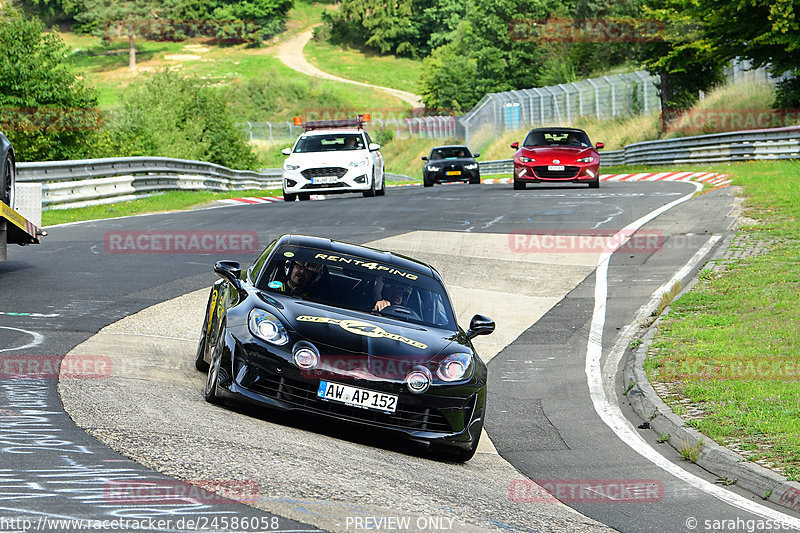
{"x":450,"y":153}
{"x":557,"y":138}
{"x":357,"y":283}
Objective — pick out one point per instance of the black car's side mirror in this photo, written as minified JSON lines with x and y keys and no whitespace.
{"x":476,"y":156}
{"x":424,"y":157}
{"x":480,"y":325}
{"x":229,"y":271}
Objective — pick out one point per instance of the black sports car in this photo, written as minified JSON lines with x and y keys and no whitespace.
{"x":347,"y":332}
{"x":450,"y":163}
{"x":7,"y":171}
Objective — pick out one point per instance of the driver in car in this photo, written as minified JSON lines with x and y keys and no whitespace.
{"x":301,"y":275}
{"x":392,"y":293}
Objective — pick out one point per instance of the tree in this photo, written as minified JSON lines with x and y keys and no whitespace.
{"x":112,"y":18}
{"x":45,"y":110}
{"x":173,"y":116}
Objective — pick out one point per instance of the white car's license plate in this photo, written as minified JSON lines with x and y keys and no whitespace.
{"x":324,"y":179}
{"x":555,"y":167}
{"x":357,"y":397}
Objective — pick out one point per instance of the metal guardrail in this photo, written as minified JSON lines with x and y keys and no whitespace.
{"x":88,"y":182}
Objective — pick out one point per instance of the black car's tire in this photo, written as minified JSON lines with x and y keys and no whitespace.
{"x":518,"y":185}
{"x":427,"y":182}
{"x":594,"y":184}
{"x":7,"y":182}
{"x":304,"y":196}
{"x":460,"y":455}
{"x":287,"y":197}
{"x":382,"y":190}
{"x":210,"y":391}
{"x":199,"y":358}
{"x":475,"y":181}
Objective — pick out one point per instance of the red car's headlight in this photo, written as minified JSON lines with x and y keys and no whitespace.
{"x":586,"y":159}
{"x":524,"y":159}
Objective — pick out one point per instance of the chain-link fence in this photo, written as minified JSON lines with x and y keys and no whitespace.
{"x":621,"y":95}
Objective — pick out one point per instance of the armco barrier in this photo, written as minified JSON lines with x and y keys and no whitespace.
{"x":96,"y":181}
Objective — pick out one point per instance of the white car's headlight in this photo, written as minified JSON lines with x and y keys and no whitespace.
{"x":289,"y":166}
{"x":526,"y":159}
{"x":361,"y":163}
{"x":433,"y":168}
{"x":586,"y":159}
{"x":471,"y":166}
{"x":266,"y":326}
{"x":454,"y":367}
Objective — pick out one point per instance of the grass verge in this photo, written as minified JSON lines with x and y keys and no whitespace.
{"x":731,"y":345}
{"x":169,"y":201}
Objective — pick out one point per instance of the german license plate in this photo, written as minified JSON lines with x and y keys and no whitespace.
{"x":324,"y":179}
{"x":357,"y":397}
{"x":453,"y":172}
{"x":555,"y":167}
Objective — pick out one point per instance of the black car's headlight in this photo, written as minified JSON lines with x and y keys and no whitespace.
{"x":471,"y":166}
{"x":267,"y":327}
{"x":454,"y":367}
{"x":433,"y":168}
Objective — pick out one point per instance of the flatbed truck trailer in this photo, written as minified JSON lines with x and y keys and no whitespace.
{"x":16,"y":229}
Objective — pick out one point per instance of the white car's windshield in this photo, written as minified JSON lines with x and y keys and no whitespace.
{"x":330,"y":142}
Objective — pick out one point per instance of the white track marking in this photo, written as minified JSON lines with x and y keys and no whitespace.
{"x":607,"y":407}
{"x":38,"y":338}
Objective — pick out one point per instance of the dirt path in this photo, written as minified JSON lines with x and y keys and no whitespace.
{"x":291,"y":54}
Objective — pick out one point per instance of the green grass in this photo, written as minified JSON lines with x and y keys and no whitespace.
{"x":731,"y":345}
{"x":169,"y":201}
{"x":386,"y":71}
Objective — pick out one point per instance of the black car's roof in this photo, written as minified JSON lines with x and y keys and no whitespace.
{"x":449,"y":146}
{"x":558,"y":129}
{"x":372,"y":254}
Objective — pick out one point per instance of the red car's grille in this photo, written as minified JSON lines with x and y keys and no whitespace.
{"x":567,"y":173}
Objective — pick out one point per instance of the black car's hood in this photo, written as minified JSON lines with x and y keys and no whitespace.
{"x":352,"y":340}
{"x":451,"y":161}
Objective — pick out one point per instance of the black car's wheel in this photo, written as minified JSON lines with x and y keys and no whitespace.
{"x":304,"y":196}
{"x":460,"y":455}
{"x":210,"y":391}
{"x":7,"y":182}
{"x":594,"y":184}
{"x":287,"y":197}
{"x":199,"y":359}
{"x":475,"y":181}
{"x":382,"y":190}
{"x":426,"y":181}
{"x":518,"y":185}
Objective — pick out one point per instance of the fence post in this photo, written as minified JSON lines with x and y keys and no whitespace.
{"x":596,"y":98}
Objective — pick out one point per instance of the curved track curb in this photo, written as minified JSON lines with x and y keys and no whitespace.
{"x":717,"y":459}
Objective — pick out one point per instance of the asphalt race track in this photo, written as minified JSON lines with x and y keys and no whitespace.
{"x":137,"y":417}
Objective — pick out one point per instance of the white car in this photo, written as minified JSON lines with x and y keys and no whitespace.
{"x":333,"y":160}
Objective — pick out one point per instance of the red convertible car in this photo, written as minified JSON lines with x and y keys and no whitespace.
{"x":564,"y":155}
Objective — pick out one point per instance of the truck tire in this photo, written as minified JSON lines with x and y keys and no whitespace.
{"x":8,"y":181}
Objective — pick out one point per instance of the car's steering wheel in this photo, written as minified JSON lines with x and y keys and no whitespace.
{"x":400,"y":311}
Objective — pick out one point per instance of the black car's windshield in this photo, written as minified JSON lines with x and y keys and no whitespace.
{"x":357,"y":283}
{"x":450,"y":153}
{"x":330,"y":142}
{"x":578,"y":139}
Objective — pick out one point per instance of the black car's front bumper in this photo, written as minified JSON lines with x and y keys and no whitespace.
{"x":448,"y":175}
{"x":450,"y":415}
